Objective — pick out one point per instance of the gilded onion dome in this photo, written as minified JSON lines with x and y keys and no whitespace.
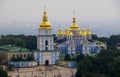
{"x":70,"y":33}
{"x":88,"y":32}
{"x":65,"y":32}
{"x":60,"y":33}
{"x":45,"y":24}
{"x":83,"y":33}
{"x":74,"y":26}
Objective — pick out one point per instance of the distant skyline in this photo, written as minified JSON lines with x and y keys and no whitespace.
{"x":103,"y":16}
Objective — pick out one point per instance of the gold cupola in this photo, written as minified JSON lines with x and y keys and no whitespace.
{"x":45,"y":24}
{"x":83,"y":33}
{"x":74,"y":26}
{"x":70,"y":33}
{"x":60,"y":33}
{"x":88,"y":32}
{"x":65,"y":32}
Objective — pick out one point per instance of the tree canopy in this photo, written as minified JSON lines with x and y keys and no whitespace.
{"x":3,"y":73}
{"x":104,"y":64}
{"x":29,"y":42}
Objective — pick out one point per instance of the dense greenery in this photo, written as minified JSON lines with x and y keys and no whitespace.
{"x":10,"y":67}
{"x":104,"y":64}
{"x":29,"y":42}
{"x":3,"y":73}
{"x":67,"y":57}
{"x":2,"y":57}
{"x":111,"y":41}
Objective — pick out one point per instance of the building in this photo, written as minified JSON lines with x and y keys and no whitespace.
{"x":13,"y":52}
{"x":22,"y":64}
{"x":76,"y":40}
{"x":46,"y":53}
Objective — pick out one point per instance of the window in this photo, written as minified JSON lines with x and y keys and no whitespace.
{"x":37,"y":58}
{"x":13,"y":56}
{"x":24,"y":55}
{"x":20,"y":55}
{"x":46,"y":48}
{"x":28,"y":55}
{"x":17,"y":55}
{"x":46,"y":42}
{"x":46,"y":32}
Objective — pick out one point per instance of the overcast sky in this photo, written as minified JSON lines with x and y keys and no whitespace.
{"x":96,"y":13}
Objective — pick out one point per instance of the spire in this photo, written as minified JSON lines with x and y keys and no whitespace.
{"x":45,"y":15}
{"x":88,"y":31}
{"x":45,"y":24}
{"x":74,"y":18}
{"x":74,"y":26}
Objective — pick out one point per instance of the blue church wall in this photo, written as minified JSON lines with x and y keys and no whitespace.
{"x":93,"y":48}
{"x":78,"y":46}
{"x":64,"y":50}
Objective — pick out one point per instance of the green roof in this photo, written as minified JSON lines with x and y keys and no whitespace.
{"x":45,"y":50}
{"x":99,"y":42}
{"x":13,"y":48}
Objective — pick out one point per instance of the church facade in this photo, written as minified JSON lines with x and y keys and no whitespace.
{"x":76,"y":40}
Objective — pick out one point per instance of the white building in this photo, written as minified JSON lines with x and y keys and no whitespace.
{"x":23,"y":63}
{"x":46,"y":53}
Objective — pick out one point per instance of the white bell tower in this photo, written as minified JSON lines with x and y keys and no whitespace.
{"x":46,"y":55}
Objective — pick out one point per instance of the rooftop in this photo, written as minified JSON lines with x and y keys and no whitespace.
{"x":13,"y":48}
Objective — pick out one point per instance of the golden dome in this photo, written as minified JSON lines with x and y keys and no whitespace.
{"x":60,"y":33}
{"x":45,"y":24}
{"x":65,"y":33}
{"x":83,"y":33}
{"x":88,"y":32}
{"x":74,"y":26}
{"x":70,"y":33}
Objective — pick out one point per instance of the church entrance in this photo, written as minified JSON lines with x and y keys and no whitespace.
{"x":46,"y":62}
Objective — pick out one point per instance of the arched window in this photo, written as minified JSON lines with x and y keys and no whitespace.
{"x":46,"y":42}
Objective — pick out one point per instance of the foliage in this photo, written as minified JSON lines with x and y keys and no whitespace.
{"x":79,"y":57}
{"x":105,"y":64}
{"x":2,"y":57}
{"x":3,"y":73}
{"x":67,"y":58}
{"x":94,"y":37}
{"x":10,"y":66}
{"x":111,"y":41}
{"x":29,"y":42}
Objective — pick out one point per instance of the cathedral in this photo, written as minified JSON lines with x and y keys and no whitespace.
{"x":73,"y":40}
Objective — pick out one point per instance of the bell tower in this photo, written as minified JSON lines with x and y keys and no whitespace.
{"x":46,"y":54}
{"x":45,"y":37}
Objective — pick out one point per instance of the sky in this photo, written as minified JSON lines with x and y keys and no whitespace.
{"x":24,"y":16}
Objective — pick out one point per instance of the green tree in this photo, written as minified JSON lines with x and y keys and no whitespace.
{"x":94,"y":37}
{"x":104,"y":64}
{"x":10,"y":66}
{"x":3,"y":73}
{"x":79,"y":58}
{"x":67,"y":58}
